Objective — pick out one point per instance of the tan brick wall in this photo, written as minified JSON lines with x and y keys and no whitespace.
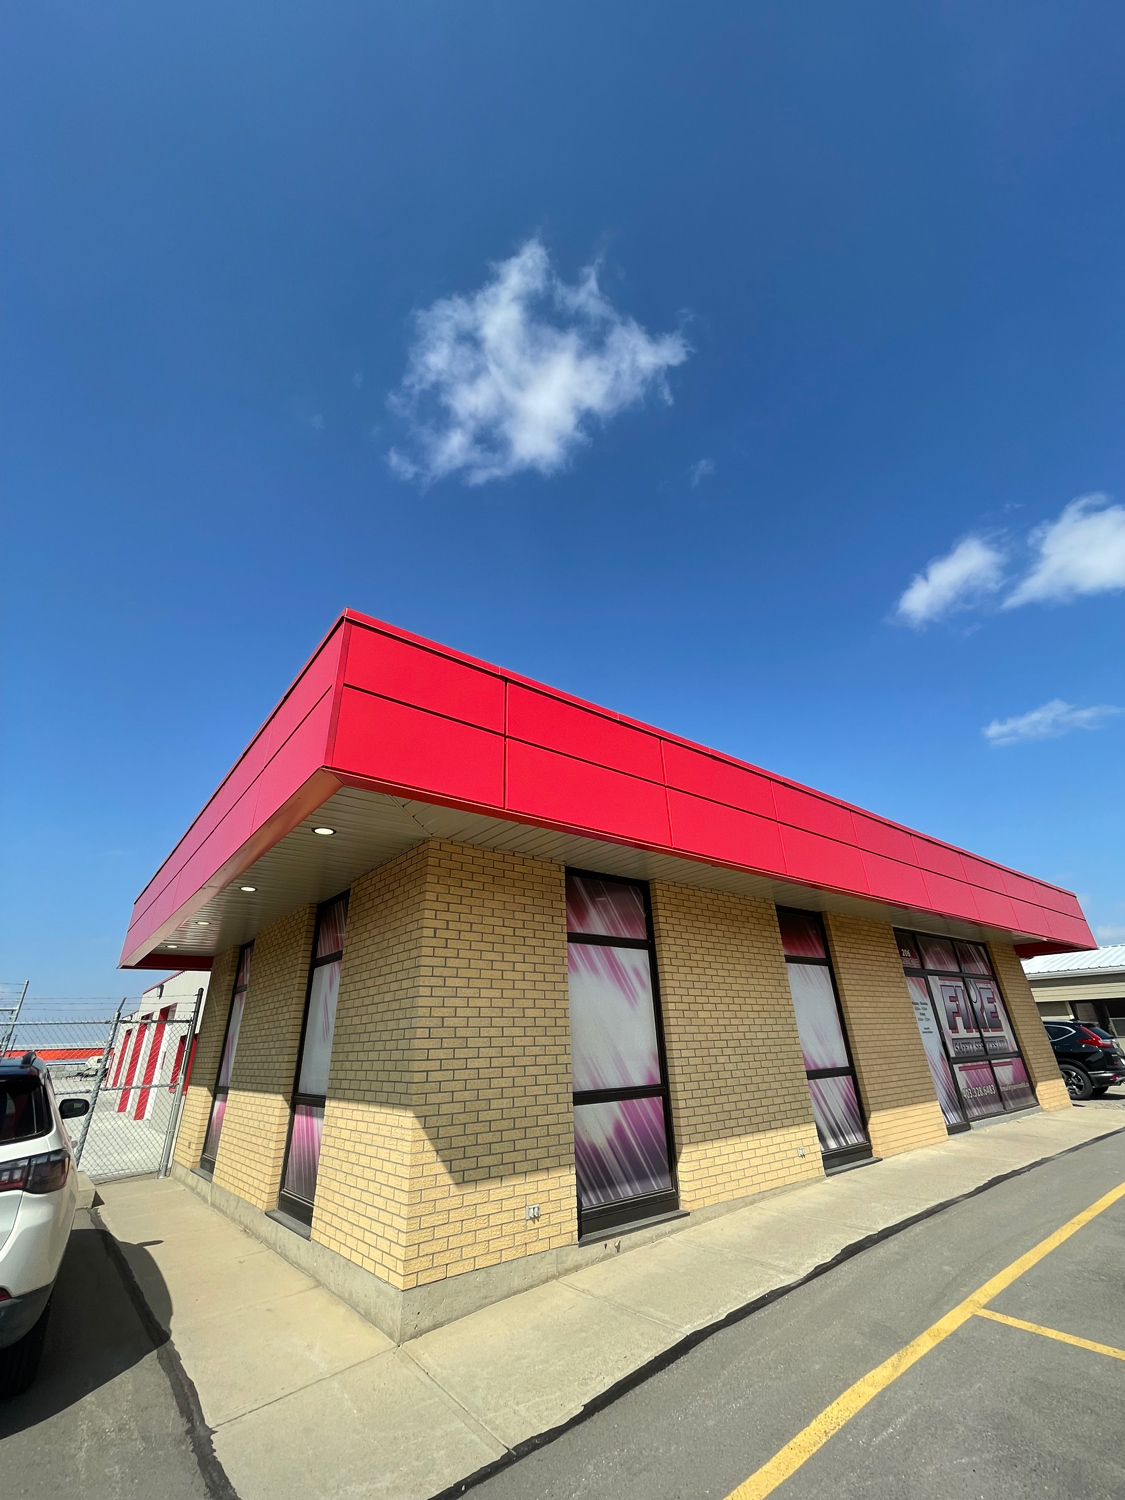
{"x":1034,"y":1042}
{"x":256,"y":1123}
{"x":449,"y":1097}
{"x":205,"y":1068}
{"x":740,"y":1102}
{"x":894,"y":1079}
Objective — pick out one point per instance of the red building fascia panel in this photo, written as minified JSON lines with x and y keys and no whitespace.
{"x":288,"y":750}
{"x":379,"y":707}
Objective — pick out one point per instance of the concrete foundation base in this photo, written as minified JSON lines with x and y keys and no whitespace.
{"x":404,"y":1315}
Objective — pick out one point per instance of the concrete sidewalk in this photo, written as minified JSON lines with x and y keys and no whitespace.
{"x":308,"y":1401}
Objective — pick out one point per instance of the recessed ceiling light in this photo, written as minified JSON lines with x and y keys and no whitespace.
{"x":171,"y":945}
{"x":324,"y":832}
{"x":203,"y":924}
{"x":248,"y":888}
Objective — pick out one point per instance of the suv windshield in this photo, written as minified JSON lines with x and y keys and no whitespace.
{"x":24,"y":1111}
{"x":1097,"y":1030}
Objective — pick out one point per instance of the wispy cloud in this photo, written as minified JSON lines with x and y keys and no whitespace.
{"x":513,"y":376}
{"x":961,"y":578}
{"x":1083,"y":552}
{"x":700,"y":470}
{"x":1050,"y":722}
{"x":1110,"y":934}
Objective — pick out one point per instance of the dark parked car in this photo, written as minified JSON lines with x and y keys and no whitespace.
{"x":1089,"y":1059}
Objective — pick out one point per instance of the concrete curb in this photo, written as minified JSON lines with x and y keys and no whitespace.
{"x":691,"y":1340}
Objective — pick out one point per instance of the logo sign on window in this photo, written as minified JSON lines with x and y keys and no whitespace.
{"x":956,"y":1017}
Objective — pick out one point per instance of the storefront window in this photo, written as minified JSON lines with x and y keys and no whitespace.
{"x":226,"y":1059}
{"x":302,"y":1155}
{"x":622,"y":1125}
{"x":824,"y":1044}
{"x":974,"y":1046}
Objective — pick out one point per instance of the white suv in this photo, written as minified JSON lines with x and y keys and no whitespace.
{"x":38,"y":1196}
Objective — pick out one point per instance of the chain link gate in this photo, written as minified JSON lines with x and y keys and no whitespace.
{"x":132,"y":1069}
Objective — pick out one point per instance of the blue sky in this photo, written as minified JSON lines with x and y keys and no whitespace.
{"x":270,"y":349}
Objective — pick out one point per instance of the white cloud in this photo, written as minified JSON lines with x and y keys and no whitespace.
{"x":1083,"y":552}
{"x":1106,"y":935}
{"x":512,"y":376}
{"x":960,"y":578}
{"x":1049,"y":722}
{"x":700,"y":470}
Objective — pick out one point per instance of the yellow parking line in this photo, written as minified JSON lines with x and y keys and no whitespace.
{"x":813,"y":1437}
{"x":1052,"y":1333}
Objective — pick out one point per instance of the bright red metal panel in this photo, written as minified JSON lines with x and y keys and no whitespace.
{"x":814,"y":814}
{"x":891,"y":880}
{"x":421,"y":752}
{"x":979,"y":872}
{"x":393,"y":668}
{"x":318,"y":676}
{"x":1055,"y":900}
{"x":953,"y":898}
{"x":936,"y":857}
{"x":995,"y":909}
{"x":592,"y":798}
{"x":883,"y":838}
{"x":435,"y":728}
{"x":821,"y":861}
{"x":1069,"y":929}
{"x":553,"y":724}
{"x":732,"y":837}
{"x":1030,"y":918}
{"x":692,"y":771}
{"x":215,"y":849}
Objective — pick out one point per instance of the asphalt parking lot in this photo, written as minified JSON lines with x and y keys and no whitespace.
{"x":994,"y":1410}
{"x":102,"y":1420}
{"x":1002,"y":1409}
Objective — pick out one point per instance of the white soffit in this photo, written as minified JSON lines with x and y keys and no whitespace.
{"x":372,"y":828}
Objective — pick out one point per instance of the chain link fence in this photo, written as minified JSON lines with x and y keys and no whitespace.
{"x":132,"y":1069}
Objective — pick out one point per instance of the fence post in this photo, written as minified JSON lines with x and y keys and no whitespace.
{"x":103,"y":1069}
{"x":14,"y":1022}
{"x":181,"y":1083}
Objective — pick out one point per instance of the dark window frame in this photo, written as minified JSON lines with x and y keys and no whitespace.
{"x":594,"y":1222}
{"x":846,"y":1155}
{"x":289,"y":1203}
{"x":207,"y":1163}
{"x":965,"y":975}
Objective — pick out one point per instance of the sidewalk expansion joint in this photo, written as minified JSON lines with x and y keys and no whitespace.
{"x":474,"y":1419}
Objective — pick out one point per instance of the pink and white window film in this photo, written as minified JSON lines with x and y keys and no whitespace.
{"x":958,"y":1005}
{"x":824,"y":1045}
{"x":226,"y":1059}
{"x":302,"y":1157}
{"x":622,"y":1125}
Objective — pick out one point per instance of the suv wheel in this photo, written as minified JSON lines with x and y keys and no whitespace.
{"x":20,"y":1361}
{"x":1077,"y":1081}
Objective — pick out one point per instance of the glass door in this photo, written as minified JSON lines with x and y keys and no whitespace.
{"x":824,"y":1042}
{"x":980,"y":1047}
{"x":622,"y":1117}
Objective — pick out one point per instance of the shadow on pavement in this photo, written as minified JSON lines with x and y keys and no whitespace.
{"x":96,"y":1331}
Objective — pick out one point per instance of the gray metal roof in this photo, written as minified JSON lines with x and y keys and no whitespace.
{"x":1100,"y":961}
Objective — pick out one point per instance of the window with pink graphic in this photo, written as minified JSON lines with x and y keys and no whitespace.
{"x":226,"y":1058}
{"x":952,"y":987}
{"x":622,"y":1120}
{"x":302,"y":1156}
{"x":836,"y":1106}
{"x":936,"y":1057}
